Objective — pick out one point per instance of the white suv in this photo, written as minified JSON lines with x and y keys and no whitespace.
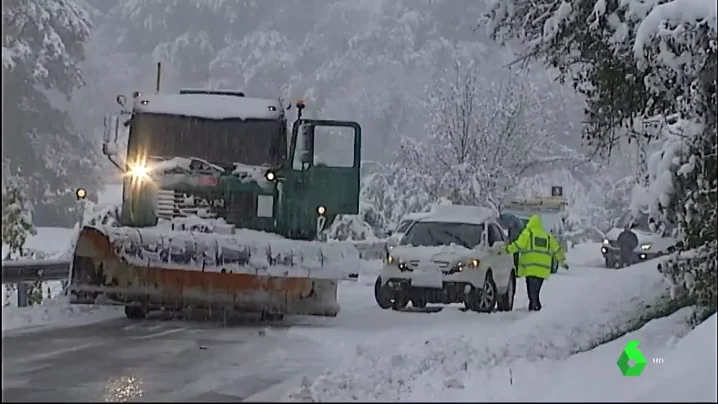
{"x":445,"y":258}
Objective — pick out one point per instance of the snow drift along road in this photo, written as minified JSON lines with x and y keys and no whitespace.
{"x":581,"y":311}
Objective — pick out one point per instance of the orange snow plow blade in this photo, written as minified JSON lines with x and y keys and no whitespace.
{"x":157,"y":269}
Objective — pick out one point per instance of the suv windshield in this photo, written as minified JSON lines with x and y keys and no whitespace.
{"x":401,"y":228}
{"x":550,"y":220}
{"x":220,"y":141}
{"x":439,"y":233}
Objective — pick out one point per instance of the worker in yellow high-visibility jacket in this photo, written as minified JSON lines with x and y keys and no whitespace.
{"x":537,"y":248}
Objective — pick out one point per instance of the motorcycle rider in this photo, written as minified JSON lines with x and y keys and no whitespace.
{"x":537,"y":249}
{"x":627,"y":242}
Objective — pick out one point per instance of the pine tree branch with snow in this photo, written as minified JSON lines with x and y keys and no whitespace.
{"x":636,"y":62}
{"x":42,"y":47}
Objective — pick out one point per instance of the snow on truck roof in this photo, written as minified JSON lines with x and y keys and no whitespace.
{"x":211,"y":106}
{"x":460,"y":214}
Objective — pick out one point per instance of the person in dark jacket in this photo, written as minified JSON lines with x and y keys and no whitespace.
{"x":627,"y":242}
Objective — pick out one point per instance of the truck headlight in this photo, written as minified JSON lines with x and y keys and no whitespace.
{"x":139,"y":172}
{"x":645,"y":247}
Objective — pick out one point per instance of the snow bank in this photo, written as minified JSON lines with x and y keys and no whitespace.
{"x":586,"y":254}
{"x":399,"y":369}
{"x":690,"y":365}
{"x":594,"y":375}
{"x":57,"y":312}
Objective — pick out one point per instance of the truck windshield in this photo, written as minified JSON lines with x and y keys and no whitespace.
{"x":439,"y":233}
{"x":551,"y":221}
{"x":220,"y":141}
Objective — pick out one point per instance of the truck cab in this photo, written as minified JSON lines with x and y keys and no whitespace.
{"x":223,"y":155}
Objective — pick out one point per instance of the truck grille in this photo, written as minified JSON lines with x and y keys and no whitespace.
{"x":171,"y":204}
{"x":238,"y":208}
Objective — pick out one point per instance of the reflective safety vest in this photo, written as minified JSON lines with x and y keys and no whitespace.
{"x":537,"y":250}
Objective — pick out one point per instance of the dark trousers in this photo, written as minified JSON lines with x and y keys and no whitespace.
{"x":626,"y":257}
{"x":533,"y":289}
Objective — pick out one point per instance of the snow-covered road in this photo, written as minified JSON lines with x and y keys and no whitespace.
{"x":363,"y":354}
{"x":119,"y":359}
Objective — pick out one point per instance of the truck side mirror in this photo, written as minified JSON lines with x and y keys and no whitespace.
{"x":305,"y":157}
{"x":111,"y":133}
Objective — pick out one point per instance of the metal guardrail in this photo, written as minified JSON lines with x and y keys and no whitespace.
{"x":35,"y":270}
{"x":24,"y":271}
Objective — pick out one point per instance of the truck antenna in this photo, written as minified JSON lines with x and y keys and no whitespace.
{"x":159,"y":74}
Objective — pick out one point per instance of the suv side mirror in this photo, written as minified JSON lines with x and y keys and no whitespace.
{"x":110,"y":135}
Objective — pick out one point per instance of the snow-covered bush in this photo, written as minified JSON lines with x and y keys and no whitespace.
{"x":349,"y":227}
{"x":694,"y":274}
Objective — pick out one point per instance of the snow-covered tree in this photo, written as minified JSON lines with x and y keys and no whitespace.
{"x":637,"y":61}
{"x":16,"y":227}
{"x":42,"y":45}
{"x":485,"y":133}
{"x":350,"y":227}
{"x":16,"y":221}
{"x":390,"y":193}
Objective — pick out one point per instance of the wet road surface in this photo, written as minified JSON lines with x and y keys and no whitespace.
{"x":153,"y":360}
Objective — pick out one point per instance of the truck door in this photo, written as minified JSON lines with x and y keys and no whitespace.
{"x":331,"y":163}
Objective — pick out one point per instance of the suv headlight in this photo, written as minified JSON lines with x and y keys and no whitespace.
{"x":606,"y":241}
{"x":467,"y":264}
{"x":393,"y":261}
{"x":645,"y":247}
